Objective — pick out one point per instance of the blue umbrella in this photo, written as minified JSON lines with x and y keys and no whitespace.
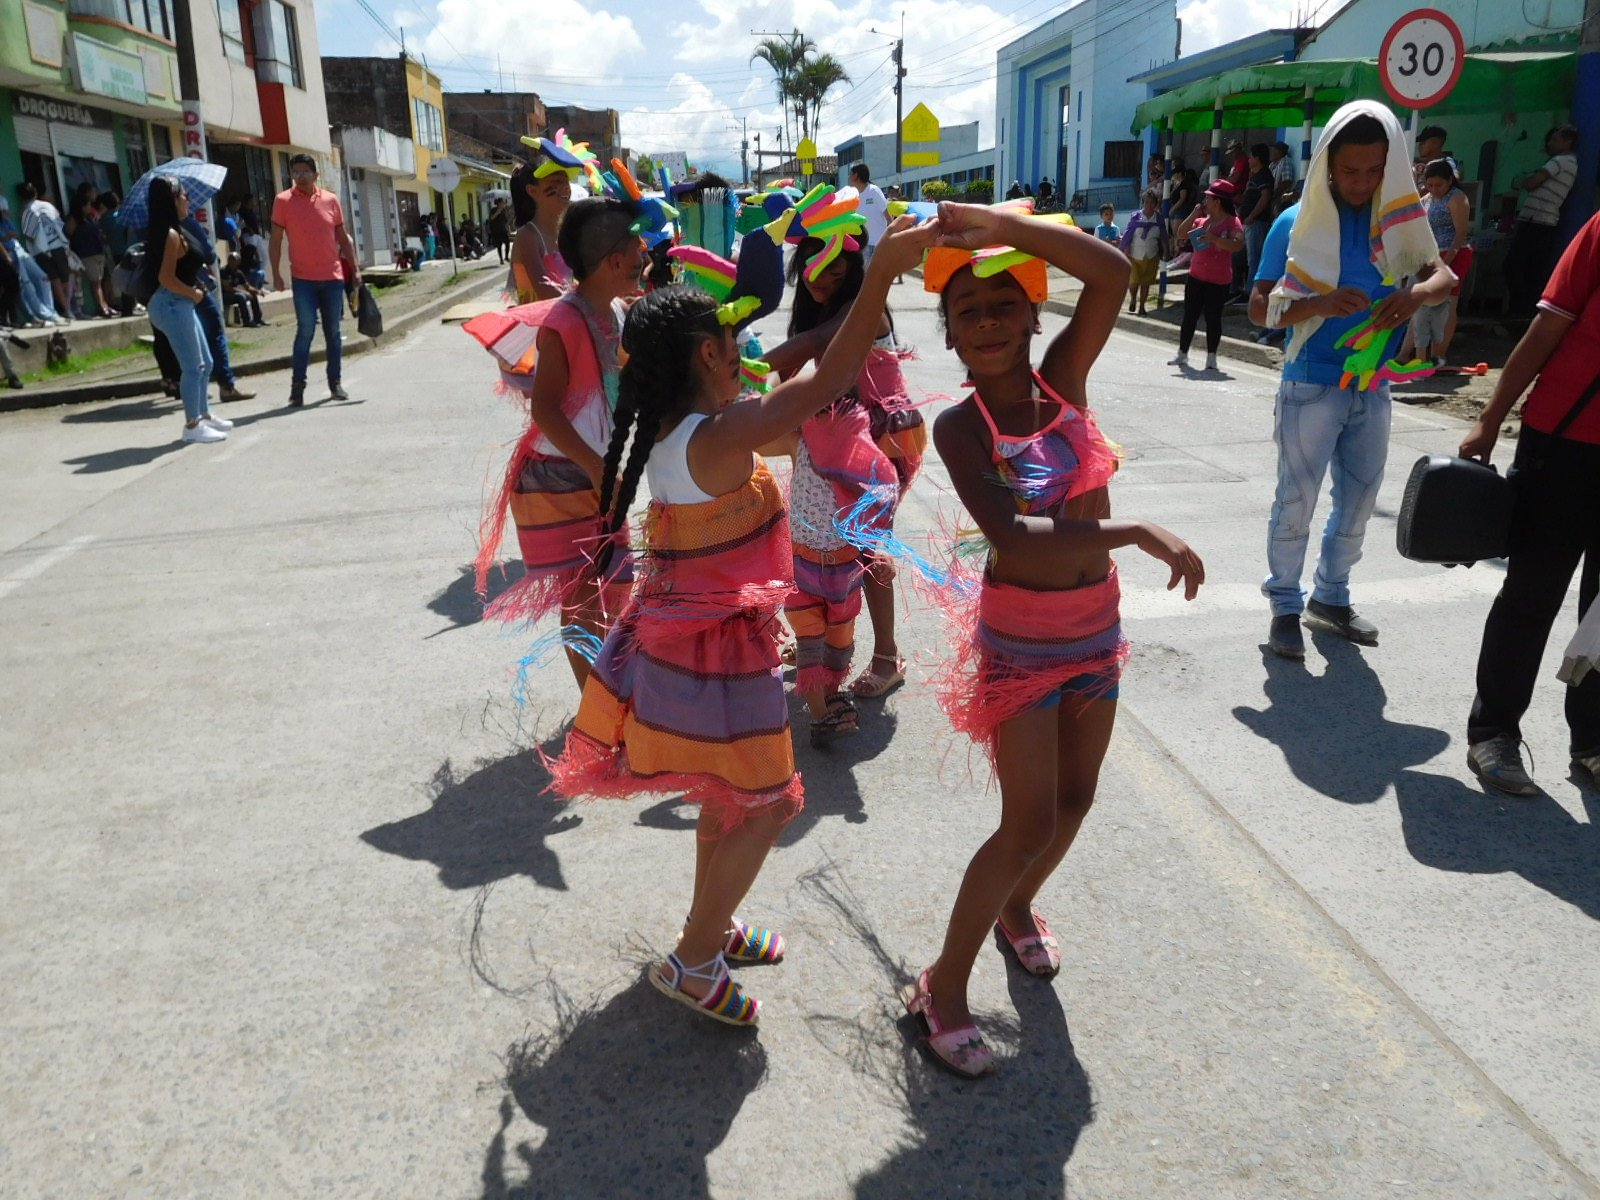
{"x":201,"y":181}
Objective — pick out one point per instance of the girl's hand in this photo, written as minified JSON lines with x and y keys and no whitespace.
{"x":1186,"y":566}
{"x":968,"y":226}
{"x":904,"y":243}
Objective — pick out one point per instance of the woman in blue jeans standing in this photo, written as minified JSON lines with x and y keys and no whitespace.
{"x":172,"y":306}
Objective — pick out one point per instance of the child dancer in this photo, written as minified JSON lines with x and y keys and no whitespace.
{"x":541,"y":191}
{"x":552,"y":485}
{"x":686,"y":693}
{"x":1036,"y":682}
{"x":890,"y":422}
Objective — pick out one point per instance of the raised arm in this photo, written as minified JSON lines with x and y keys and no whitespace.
{"x":755,"y":423}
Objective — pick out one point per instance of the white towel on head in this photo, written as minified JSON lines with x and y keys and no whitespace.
{"x":1401,"y":242}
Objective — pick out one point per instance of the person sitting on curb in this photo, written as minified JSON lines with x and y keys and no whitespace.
{"x":1322,"y":272}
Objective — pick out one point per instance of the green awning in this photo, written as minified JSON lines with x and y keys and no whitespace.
{"x":1261,"y":97}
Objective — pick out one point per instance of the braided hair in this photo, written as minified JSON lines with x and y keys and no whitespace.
{"x":656,"y":386}
{"x":592,"y":230}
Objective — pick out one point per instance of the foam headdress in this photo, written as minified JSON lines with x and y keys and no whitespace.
{"x":656,"y":216}
{"x":821,"y":213}
{"x":717,"y":277}
{"x":561,"y":153}
{"x":942,"y":262}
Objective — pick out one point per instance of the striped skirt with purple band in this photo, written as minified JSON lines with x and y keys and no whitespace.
{"x":1021,"y":645}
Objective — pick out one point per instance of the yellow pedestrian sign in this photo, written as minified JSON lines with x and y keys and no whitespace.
{"x":806,"y":152}
{"x":920,"y":129}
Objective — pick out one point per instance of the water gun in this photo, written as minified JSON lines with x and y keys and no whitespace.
{"x":1366,"y":362}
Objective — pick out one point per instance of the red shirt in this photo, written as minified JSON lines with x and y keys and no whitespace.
{"x":311,"y":223}
{"x":1574,"y":293}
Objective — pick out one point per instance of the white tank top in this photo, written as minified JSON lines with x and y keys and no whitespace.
{"x":667,"y":470}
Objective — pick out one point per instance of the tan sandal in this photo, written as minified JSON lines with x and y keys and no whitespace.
{"x":870,"y":685}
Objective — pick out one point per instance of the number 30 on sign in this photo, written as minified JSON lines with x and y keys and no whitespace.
{"x":1421,"y":58}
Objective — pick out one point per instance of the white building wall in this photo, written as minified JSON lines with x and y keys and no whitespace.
{"x":1357,"y":31}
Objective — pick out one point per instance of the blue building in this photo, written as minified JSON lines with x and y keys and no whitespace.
{"x":1064,"y":92}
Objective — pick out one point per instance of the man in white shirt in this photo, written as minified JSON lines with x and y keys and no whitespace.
{"x":874,"y":208}
{"x":46,"y":240}
{"x":1532,"y":255}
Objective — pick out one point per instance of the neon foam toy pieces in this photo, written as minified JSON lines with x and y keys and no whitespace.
{"x":822,"y":213}
{"x":1366,"y":365}
{"x":707,"y":271}
{"x":563,"y":154}
{"x":942,"y":262}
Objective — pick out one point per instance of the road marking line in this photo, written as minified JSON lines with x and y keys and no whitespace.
{"x":42,"y":564}
{"x":233,"y":447}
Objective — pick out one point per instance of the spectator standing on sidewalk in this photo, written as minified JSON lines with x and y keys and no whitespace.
{"x":212,"y":321}
{"x":1324,"y":265}
{"x":117,"y":238}
{"x":1555,"y":522}
{"x":313,"y":221}
{"x":1256,"y":210}
{"x":1215,"y":234}
{"x":174,"y":262}
{"x":873,"y":206}
{"x":47,"y":242}
{"x":1534,"y":247}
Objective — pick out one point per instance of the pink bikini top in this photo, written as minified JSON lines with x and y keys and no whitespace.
{"x":1045,"y":469}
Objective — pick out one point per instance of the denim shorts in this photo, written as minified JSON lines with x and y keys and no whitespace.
{"x":1081,"y":685}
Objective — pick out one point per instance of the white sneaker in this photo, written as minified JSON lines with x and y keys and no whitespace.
{"x":203,"y":433}
{"x":1181,"y":360}
{"x":221,"y":423}
{"x":1211,"y":362}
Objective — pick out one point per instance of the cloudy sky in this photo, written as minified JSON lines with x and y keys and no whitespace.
{"x":681,"y":74}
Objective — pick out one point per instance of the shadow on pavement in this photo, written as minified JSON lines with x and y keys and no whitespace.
{"x":119,"y":460}
{"x":1332,"y":730}
{"x":1008,"y":1135}
{"x":135,"y":410}
{"x":460,"y":604}
{"x":488,"y":825}
{"x":633,"y":1095}
{"x":1453,"y":826}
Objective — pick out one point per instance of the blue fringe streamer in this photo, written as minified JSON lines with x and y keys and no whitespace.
{"x":546,"y":647}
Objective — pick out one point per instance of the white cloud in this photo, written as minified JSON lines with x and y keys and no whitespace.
{"x":560,"y":37}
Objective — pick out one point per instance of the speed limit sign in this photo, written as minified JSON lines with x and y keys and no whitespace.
{"x":1421,"y":58}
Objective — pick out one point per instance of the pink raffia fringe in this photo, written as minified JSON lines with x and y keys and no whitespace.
{"x":1015,"y":646}
{"x":588,"y":770}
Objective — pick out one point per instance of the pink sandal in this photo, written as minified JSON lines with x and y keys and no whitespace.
{"x":962,"y":1049}
{"x":873,"y":684}
{"x":1039,"y":953}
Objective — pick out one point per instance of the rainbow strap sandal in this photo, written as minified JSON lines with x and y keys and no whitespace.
{"x":753,"y":944}
{"x":725,"y":1002}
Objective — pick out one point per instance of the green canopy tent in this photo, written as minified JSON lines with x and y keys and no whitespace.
{"x":1277,"y":94}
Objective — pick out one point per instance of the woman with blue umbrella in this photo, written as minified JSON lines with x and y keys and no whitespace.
{"x":173,"y":260}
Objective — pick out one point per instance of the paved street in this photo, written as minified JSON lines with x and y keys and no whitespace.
{"x":285,"y":912}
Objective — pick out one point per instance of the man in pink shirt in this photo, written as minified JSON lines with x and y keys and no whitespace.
{"x":314,"y":223}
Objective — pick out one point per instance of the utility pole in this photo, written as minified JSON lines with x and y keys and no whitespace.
{"x":899,"y":74}
{"x":744,"y":148}
{"x":758,"y":160}
{"x":1586,"y":115}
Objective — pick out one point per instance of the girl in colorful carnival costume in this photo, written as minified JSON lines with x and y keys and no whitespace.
{"x":1041,"y":650}
{"x":541,"y":191}
{"x":864,"y":450}
{"x":686,"y":694}
{"x":563,"y":354}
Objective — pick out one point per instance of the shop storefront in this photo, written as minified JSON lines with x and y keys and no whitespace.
{"x":63,"y":143}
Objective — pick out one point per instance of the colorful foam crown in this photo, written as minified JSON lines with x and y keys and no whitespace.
{"x":656,"y":216}
{"x":818,"y":214}
{"x":563,"y":154}
{"x":709,"y":272}
{"x":942,"y":262}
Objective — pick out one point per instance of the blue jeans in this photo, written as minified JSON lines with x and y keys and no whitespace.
{"x":1255,"y":237}
{"x":311,"y":298}
{"x":1315,"y":426}
{"x":37,"y":303}
{"x":175,"y":316}
{"x":216,"y":331}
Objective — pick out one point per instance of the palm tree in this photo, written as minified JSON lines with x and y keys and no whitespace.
{"x":811,"y":85}
{"x":786,"y":56}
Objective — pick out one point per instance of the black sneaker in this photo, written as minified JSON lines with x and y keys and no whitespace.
{"x":337,"y":392}
{"x":297,"y":394}
{"x":1285,"y":638}
{"x":1341,"y":619}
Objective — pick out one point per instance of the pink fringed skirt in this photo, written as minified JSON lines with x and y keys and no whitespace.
{"x":1020,"y":646}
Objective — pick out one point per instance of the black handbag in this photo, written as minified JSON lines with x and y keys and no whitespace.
{"x":369,"y":321}
{"x":1458,"y":511}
